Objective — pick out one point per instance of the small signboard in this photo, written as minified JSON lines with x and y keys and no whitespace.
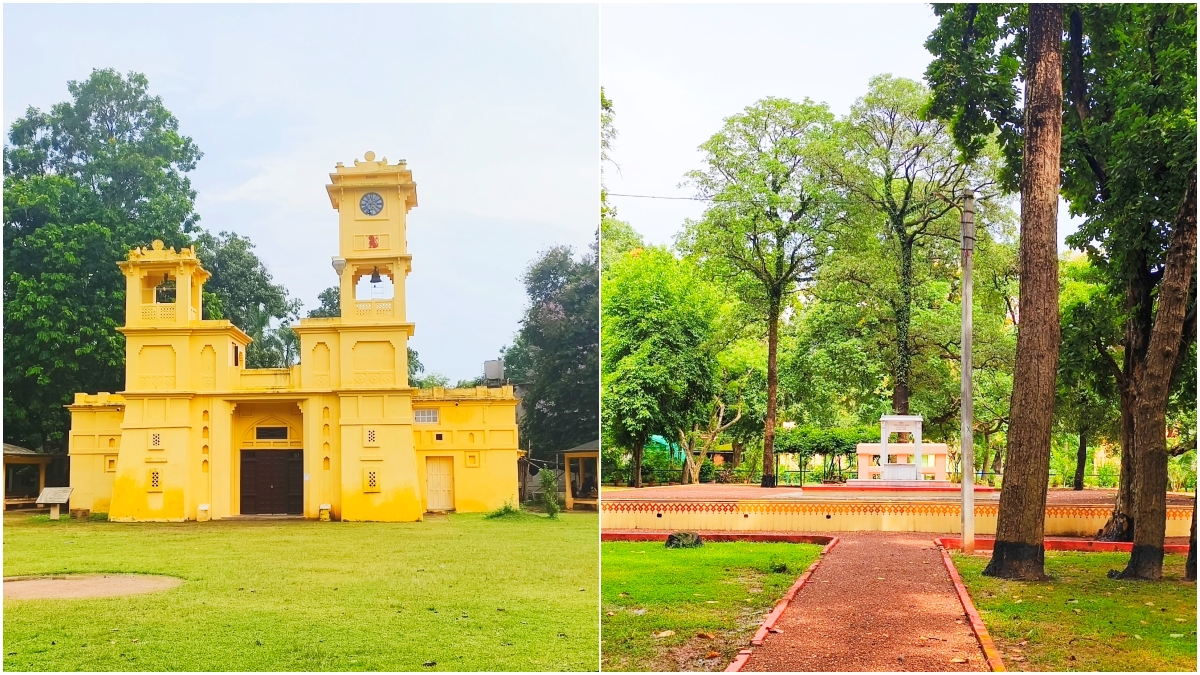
{"x":55,"y":497}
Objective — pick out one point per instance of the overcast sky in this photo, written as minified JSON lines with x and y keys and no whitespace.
{"x":675,"y":72}
{"x":493,"y":106}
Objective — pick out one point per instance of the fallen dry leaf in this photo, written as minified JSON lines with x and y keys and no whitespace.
{"x":706,"y":636}
{"x":665,"y":633}
{"x":611,"y":613}
{"x":712,"y":655}
{"x":958,"y":659}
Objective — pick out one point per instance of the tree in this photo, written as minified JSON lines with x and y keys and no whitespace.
{"x":250,"y":298}
{"x":771,"y":209}
{"x":1087,"y":400}
{"x":1129,"y":149}
{"x":659,"y":361}
{"x":973,"y":79}
{"x":84,"y":183}
{"x":905,"y":176}
{"x":555,"y":356}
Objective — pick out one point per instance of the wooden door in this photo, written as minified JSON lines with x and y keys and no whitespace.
{"x":439,"y":482}
{"x":272,"y":482}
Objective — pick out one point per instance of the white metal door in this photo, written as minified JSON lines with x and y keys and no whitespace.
{"x":439,"y":481}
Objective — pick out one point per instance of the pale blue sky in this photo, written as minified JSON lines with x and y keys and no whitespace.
{"x":674,"y":72}
{"x":493,"y":106}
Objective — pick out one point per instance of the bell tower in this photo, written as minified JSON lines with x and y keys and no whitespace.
{"x":372,"y":199}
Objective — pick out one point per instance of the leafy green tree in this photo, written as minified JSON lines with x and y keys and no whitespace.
{"x":1087,"y":400}
{"x":659,"y":362}
{"x":771,"y":210}
{"x":555,"y":357}
{"x":84,"y":183}
{"x":905,"y":178}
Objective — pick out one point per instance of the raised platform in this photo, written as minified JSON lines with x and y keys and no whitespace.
{"x":740,"y":508}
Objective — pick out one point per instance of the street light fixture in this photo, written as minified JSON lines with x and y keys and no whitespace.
{"x":967,"y":395}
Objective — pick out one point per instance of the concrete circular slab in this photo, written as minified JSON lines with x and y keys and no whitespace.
{"x":85,"y":586}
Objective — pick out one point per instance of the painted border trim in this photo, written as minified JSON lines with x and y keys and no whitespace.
{"x":981,"y":633}
{"x":1065,"y":544}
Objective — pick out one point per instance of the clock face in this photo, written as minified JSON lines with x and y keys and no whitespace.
{"x":371,"y":203}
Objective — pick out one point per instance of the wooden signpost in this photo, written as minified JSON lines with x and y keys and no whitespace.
{"x":56,"y":497}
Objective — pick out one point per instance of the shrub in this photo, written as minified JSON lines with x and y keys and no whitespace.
{"x":549,"y":491}
{"x":708,"y":471}
{"x":506,"y":511}
{"x":725,"y":476}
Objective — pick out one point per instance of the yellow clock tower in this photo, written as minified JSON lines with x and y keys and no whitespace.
{"x":197,"y":435}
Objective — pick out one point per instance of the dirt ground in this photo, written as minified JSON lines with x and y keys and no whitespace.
{"x":85,"y":586}
{"x":880,"y":601}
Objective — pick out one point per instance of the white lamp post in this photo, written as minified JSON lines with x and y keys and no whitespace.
{"x":968,"y":409}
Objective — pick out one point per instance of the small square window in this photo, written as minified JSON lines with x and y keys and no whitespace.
{"x":437,"y":437}
{"x":425,"y":416}
{"x":110,"y":463}
{"x":472,"y":459}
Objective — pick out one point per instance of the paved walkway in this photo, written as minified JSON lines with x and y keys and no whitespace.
{"x":880,"y":601}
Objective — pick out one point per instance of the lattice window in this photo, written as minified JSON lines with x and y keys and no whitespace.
{"x":371,"y":480}
{"x":425,"y":416}
{"x":154,"y":481}
{"x":372,"y":437}
{"x":271,"y":433}
{"x":156,"y":439}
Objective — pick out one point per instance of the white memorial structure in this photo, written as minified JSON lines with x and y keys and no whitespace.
{"x":917,"y":464}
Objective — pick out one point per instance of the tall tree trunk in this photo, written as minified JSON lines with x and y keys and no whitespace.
{"x":768,"y":478}
{"x":1189,"y":570}
{"x":1150,"y":426}
{"x":636,"y":479}
{"x":1081,"y":458}
{"x":998,"y":464}
{"x":987,"y":453}
{"x":900,"y":393}
{"x":738,"y":448}
{"x":1020,"y":525}
{"x":1120,"y":524}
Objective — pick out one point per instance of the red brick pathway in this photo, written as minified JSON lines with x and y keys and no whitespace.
{"x":880,"y":601}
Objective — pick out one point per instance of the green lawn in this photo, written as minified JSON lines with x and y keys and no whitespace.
{"x":465,"y":593}
{"x":720,"y":589}
{"x":1082,"y":620}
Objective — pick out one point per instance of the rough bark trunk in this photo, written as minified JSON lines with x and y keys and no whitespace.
{"x":768,"y":477}
{"x":1019,"y":552}
{"x":1081,"y":459}
{"x":1120,"y":524}
{"x":998,"y":464}
{"x":1189,"y":570}
{"x":900,"y":393}
{"x":738,"y":448}
{"x":1150,"y":427}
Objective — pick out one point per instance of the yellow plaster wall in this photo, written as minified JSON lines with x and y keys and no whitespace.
{"x":133,"y":496}
{"x":95,"y":439}
{"x":479,"y":431}
{"x":388,"y":415}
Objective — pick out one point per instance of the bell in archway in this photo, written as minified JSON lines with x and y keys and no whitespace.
{"x":375,"y":276}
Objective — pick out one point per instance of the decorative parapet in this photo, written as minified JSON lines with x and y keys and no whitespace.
{"x":442,"y":393}
{"x":98,"y":400}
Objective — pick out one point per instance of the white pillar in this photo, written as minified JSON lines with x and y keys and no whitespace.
{"x":883,"y":439}
{"x":917,"y":452}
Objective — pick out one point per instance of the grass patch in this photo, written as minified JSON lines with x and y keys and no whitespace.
{"x":1082,"y":620}
{"x":286,"y":595}
{"x":721,"y":589}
